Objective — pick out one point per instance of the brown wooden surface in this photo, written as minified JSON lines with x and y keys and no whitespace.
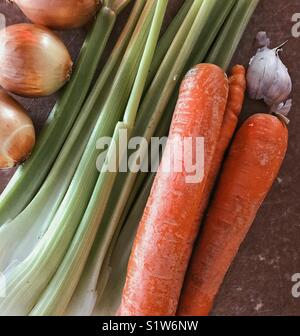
{"x":259,"y":281}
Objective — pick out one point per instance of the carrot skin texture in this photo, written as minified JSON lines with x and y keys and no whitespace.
{"x":253,"y":163}
{"x":236,"y":96}
{"x":169,"y":226}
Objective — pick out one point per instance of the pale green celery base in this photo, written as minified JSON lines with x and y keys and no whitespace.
{"x":20,"y":236}
{"x":56,"y":297}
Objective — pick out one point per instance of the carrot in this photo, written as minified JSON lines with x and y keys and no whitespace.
{"x":252,"y":165}
{"x":169,"y":226}
{"x":237,"y":88}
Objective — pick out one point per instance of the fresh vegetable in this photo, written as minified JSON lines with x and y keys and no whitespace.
{"x":152,"y":113}
{"x":22,"y":187}
{"x":167,"y":39}
{"x":267,"y":77}
{"x":222,"y":10}
{"x":250,"y":169}
{"x":232,"y":31}
{"x":34,"y":61}
{"x":169,"y":225}
{"x":237,"y":87}
{"x":17,"y":135}
{"x":59,"y":14}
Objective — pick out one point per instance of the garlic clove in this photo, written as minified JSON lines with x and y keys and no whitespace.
{"x":281,"y":87}
{"x":262,"y":39}
{"x":261,"y":73}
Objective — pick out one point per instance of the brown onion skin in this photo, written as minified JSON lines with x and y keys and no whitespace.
{"x":59,"y":14}
{"x":17,"y":134}
{"x":34,"y":62}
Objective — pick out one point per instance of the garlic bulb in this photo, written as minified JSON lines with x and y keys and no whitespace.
{"x":59,"y":14}
{"x":17,"y":135}
{"x":267,"y":77}
{"x":33,"y":60}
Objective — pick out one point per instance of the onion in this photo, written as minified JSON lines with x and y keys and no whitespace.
{"x":59,"y":14}
{"x":34,"y":62}
{"x":17,"y":135}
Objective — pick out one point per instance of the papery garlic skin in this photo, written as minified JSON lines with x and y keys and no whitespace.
{"x":267,"y":77}
{"x":17,"y":134}
{"x":282,"y":110}
{"x":34,"y":62}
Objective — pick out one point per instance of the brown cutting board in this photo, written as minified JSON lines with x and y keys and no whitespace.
{"x":259,"y":281}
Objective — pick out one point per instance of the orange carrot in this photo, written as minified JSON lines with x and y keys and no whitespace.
{"x":237,"y":88}
{"x":169,"y":226}
{"x":252,"y":165}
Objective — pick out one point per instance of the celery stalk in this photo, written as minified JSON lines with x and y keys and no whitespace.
{"x":222,"y":10}
{"x":19,"y":237}
{"x":230,"y":36}
{"x":167,"y":38}
{"x":60,"y":290}
{"x":27,"y":280}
